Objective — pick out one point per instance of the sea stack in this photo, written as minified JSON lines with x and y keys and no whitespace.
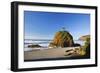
{"x":62,"y":39}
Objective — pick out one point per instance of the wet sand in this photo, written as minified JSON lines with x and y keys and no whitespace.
{"x":46,"y":53}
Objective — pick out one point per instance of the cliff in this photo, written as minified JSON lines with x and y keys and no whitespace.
{"x":83,"y":38}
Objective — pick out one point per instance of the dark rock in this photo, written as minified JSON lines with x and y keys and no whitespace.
{"x":34,"y":46}
{"x":76,"y":44}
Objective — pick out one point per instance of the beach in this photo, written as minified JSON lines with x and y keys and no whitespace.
{"x":47,"y":53}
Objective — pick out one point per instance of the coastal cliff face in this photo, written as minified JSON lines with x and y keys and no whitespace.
{"x":62,"y":39}
{"x":83,"y":38}
{"x":86,"y":47}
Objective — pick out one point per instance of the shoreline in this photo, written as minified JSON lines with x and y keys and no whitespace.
{"x":47,"y":53}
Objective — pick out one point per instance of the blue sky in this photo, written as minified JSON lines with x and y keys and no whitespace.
{"x":44,"y":25}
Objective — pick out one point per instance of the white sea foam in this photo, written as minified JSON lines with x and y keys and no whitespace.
{"x":44,"y":44}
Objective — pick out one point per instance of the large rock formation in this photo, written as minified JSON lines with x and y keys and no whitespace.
{"x":62,"y":39}
{"x":86,"y":47}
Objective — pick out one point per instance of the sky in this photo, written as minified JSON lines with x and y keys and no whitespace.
{"x":44,"y":25}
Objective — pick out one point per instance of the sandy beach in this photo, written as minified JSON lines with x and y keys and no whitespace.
{"x":46,"y":53}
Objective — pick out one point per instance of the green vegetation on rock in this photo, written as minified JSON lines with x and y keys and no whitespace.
{"x":86,"y":47}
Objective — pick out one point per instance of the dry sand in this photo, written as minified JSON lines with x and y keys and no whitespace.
{"x":46,"y":53}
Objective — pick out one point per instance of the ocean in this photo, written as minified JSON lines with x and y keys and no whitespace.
{"x":43,"y":43}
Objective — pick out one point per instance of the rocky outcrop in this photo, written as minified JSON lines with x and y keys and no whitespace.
{"x":62,"y":39}
{"x":86,"y":47}
{"x":76,"y":44}
{"x":34,"y":46}
{"x":83,"y":38}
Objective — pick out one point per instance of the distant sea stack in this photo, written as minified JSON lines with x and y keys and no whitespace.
{"x":62,"y":39}
{"x":83,"y":38}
